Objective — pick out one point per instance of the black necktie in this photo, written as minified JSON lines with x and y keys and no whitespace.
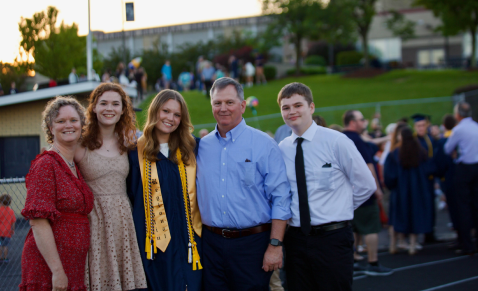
{"x":302,"y":188}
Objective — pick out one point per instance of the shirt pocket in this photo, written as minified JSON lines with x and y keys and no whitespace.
{"x":325,"y":180}
{"x":247,"y":172}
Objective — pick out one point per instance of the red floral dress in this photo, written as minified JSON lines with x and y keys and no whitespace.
{"x":54,"y":193}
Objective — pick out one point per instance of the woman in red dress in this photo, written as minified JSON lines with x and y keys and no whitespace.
{"x":57,"y":204}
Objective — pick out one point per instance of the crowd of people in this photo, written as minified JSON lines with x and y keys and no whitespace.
{"x":169,"y":211}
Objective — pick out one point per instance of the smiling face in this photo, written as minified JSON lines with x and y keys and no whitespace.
{"x":109,"y":108}
{"x":297,"y":113}
{"x":227,"y":108}
{"x":169,"y":118}
{"x":66,"y":127}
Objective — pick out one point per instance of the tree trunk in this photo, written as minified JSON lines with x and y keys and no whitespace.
{"x":473,"y":49}
{"x":365,"y":49}
{"x":298,"y":53}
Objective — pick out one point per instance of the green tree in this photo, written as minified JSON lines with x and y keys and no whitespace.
{"x":456,"y":16}
{"x":307,"y":19}
{"x":15,"y":72}
{"x":399,"y":26}
{"x":55,"y":49}
{"x":362,"y":15}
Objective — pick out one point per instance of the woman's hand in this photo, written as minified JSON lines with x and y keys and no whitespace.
{"x":59,"y":281}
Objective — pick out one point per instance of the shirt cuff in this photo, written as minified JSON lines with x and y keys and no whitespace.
{"x":281,"y":213}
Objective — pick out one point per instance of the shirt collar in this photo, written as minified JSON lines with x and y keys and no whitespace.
{"x":308,"y":134}
{"x":234,"y":133}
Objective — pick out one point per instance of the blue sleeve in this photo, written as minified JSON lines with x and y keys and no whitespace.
{"x":365,"y":151}
{"x":276,"y":183}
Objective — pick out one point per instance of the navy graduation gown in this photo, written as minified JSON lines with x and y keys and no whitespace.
{"x":169,"y":271}
{"x":410,"y":208}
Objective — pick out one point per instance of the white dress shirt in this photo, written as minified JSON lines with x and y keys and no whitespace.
{"x":334,"y":192}
{"x":464,"y":139}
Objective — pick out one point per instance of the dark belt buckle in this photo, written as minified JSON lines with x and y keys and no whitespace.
{"x":224,"y":231}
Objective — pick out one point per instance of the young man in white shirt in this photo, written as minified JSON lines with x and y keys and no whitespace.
{"x":328,"y":179}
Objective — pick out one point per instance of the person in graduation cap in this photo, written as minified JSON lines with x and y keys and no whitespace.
{"x":162,"y":190}
{"x":421,"y":123}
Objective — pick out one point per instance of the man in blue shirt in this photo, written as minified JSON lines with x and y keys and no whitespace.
{"x":167,"y":73}
{"x":243,"y":195}
{"x":463,"y":141}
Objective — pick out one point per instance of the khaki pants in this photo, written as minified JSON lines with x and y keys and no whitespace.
{"x":275,"y":284}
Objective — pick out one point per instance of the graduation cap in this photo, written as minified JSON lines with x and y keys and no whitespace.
{"x":419,"y":117}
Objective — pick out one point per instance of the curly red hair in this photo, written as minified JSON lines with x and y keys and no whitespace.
{"x":125,"y":128}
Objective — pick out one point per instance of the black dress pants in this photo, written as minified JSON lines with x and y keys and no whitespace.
{"x":234,"y":263}
{"x":466,"y":189}
{"x":319,"y":262}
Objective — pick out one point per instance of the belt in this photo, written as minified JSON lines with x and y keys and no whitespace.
{"x":319,"y":229}
{"x":235,"y":233}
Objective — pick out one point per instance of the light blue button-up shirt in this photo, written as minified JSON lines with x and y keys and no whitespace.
{"x":464,"y":139}
{"x":241,"y":179}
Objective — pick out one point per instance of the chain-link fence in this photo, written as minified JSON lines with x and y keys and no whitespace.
{"x":13,"y":230}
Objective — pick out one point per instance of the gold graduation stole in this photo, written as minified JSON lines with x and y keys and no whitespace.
{"x":157,"y":229}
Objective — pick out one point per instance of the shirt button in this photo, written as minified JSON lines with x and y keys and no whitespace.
{"x":223,"y":164}
{"x":222,"y":196}
{"x":223,"y":180}
{"x":233,"y":140}
{"x":224,"y":212}
{"x":224,"y":148}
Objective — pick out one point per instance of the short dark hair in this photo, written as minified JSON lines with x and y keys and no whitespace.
{"x":5,"y":199}
{"x":449,"y":121}
{"x":295,"y":88}
{"x":319,"y":120}
{"x":348,"y":116}
{"x":463,"y":109}
{"x":223,"y":82}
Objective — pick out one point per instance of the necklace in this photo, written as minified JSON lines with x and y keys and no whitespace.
{"x":70,"y":164}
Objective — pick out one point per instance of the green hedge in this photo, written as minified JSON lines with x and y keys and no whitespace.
{"x":315,"y":60}
{"x":308,"y":70}
{"x":270,"y":72}
{"x":349,"y":58}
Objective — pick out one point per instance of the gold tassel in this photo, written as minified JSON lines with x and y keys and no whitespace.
{"x":147,"y":248}
{"x":196,"y":259}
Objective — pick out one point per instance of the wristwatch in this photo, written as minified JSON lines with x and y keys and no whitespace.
{"x":275,"y":242}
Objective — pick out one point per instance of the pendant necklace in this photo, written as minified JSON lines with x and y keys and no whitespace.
{"x":70,"y":164}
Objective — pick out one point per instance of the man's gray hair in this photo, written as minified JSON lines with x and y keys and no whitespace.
{"x":223,"y":82}
{"x":463,"y":109}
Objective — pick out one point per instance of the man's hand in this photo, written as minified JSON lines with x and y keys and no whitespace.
{"x":272,"y":258}
{"x":379,"y":194}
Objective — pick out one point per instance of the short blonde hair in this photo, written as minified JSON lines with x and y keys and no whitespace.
{"x":52,"y":110}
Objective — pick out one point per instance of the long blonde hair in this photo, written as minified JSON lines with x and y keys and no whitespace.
{"x":180,"y":138}
{"x":394,"y":143}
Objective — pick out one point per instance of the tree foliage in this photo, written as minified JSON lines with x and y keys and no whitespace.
{"x":309,"y":19}
{"x":363,"y":13}
{"x":456,"y":16}
{"x":399,"y":26}
{"x":15,"y":72}
{"x":56,"y":49}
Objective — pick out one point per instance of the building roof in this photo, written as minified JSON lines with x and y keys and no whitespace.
{"x":71,"y":89}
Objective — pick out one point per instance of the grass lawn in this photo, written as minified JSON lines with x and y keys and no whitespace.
{"x":335,"y":90}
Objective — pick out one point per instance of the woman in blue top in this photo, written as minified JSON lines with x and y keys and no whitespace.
{"x":162,"y":190}
{"x":406,"y":175}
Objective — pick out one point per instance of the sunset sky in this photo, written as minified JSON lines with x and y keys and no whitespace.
{"x":106,"y":15}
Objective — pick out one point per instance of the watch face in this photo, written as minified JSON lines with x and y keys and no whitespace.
{"x":274,"y":242}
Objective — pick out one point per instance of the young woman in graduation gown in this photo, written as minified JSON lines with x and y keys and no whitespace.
{"x":162,"y":190}
{"x":406,"y":174}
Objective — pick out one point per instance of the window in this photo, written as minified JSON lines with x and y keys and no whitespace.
{"x":432,"y":57}
{"x":16,"y":155}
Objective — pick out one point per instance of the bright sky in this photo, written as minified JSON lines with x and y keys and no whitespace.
{"x":106,"y":15}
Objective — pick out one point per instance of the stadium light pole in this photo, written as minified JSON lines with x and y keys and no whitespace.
{"x":89,"y":55}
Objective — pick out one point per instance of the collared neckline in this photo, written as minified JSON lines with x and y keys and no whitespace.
{"x":466,"y":119}
{"x":234,"y":133}
{"x":308,"y":134}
